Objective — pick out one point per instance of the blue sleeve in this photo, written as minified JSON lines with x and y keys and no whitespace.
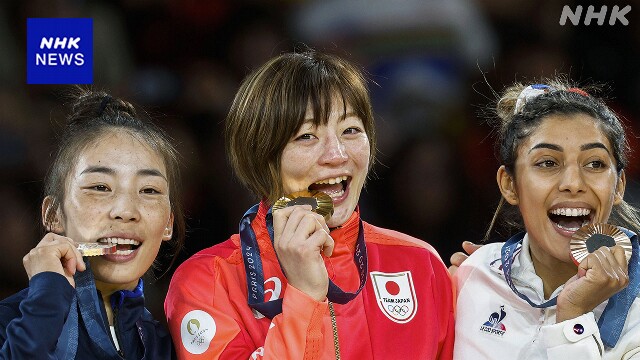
{"x":32,"y":320}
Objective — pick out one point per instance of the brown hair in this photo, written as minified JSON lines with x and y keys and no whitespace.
{"x":93,"y":115}
{"x":270,"y":108}
{"x":514,"y":126}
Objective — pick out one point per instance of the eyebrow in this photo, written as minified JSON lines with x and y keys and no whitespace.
{"x":99,"y":170}
{"x":589,"y":146}
{"x":151,"y":172}
{"x":110,"y":171}
{"x":546,"y":146}
{"x":595,"y":145}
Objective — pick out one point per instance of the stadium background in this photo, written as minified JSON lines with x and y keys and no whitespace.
{"x":434,"y":66}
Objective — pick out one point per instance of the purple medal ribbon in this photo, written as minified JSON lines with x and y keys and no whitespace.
{"x":255,"y":274}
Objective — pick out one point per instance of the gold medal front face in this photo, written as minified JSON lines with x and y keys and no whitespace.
{"x":96,"y":249}
{"x":590,"y":238}
{"x":320,"y":202}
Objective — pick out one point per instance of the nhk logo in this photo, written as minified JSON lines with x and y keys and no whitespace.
{"x":59,"y":51}
{"x":617,"y":14}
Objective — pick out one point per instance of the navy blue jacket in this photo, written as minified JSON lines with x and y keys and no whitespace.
{"x":33,"y":320}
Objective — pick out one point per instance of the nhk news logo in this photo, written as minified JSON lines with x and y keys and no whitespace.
{"x":59,"y":51}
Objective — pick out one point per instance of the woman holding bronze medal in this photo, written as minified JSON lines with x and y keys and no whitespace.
{"x":567,"y":287}
{"x":306,"y":278}
{"x":111,"y":200}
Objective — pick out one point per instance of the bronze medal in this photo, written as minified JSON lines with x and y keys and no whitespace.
{"x":96,"y":249}
{"x":320,"y":202}
{"x":590,"y":238}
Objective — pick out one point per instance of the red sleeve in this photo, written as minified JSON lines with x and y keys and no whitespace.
{"x":209,"y":318}
{"x":444,"y":291}
{"x":447,"y":296}
{"x":202,"y":328}
{"x":298,"y":332}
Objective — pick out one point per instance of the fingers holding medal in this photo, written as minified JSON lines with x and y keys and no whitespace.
{"x":605,"y":247}
{"x":301,"y":236}
{"x":54,"y":253}
{"x":602,"y":252}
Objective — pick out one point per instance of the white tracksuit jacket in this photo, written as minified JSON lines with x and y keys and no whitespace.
{"x":494,"y":323}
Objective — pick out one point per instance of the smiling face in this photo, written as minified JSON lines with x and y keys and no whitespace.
{"x":333,"y":158}
{"x":117,"y":192}
{"x":565,"y":177}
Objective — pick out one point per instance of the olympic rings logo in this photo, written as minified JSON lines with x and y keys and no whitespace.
{"x":398,"y":310}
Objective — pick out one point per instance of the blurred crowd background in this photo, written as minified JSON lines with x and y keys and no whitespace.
{"x":434,"y":66}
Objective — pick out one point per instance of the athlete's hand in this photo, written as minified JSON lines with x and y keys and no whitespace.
{"x":600,"y":275}
{"x":459,"y":257}
{"x":300,"y":238}
{"x":54,"y":253}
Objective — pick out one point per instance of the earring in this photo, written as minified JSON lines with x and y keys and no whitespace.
{"x":168,"y":233}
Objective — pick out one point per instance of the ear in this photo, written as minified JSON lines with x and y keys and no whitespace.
{"x":51,"y":216}
{"x":620,"y":187}
{"x":507,"y":186}
{"x":168,"y":230}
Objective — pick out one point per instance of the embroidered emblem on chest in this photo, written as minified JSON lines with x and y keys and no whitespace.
{"x":494,"y":325}
{"x":395,"y":295}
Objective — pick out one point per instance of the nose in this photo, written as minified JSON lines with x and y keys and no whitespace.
{"x":572,"y":179}
{"x":334,"y":151}
{"x":125,"y":208}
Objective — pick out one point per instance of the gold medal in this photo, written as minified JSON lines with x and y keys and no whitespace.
{"x":590,"y":238}
{"x":96,"y":249}
{"x":320,"y":202}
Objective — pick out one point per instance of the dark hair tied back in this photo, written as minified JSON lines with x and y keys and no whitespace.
{"x":103,"y":104}
{"x":94,"y":114}
{"x":89,"y":105}
{"x":515,"y":124}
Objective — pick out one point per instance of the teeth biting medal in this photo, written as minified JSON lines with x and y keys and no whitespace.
{"x":591,"y":237}
{"x":320,"y":202}
{"x":96,"y":249}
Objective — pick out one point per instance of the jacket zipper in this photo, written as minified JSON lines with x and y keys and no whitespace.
{"x":116,"y":327}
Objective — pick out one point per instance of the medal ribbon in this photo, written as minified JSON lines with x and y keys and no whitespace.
{"x":507,"y":254}
{"x":85,"y":305}
{"x":612,"y":319}
{"x":615,"y":313}
{"x":255,"y":274}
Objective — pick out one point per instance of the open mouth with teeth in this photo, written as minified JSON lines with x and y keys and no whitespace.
{"x":570,"y":219}
{"x":334,"y":187}
{"x":123,"y":246}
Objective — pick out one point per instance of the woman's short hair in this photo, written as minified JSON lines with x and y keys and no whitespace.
{"x":270,"y":107}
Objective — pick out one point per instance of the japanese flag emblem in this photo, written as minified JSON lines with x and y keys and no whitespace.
{"x":396,"y":295}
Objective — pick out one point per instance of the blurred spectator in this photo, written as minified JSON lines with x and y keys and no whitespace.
{"x":421,"y":55}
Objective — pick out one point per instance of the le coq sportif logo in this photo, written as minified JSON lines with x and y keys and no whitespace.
{"x":59,"y":51}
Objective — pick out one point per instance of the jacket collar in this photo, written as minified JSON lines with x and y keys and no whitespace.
{"x":129,"y":304}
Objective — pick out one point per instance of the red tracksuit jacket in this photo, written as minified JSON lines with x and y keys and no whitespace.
{"x":405,"y":311}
